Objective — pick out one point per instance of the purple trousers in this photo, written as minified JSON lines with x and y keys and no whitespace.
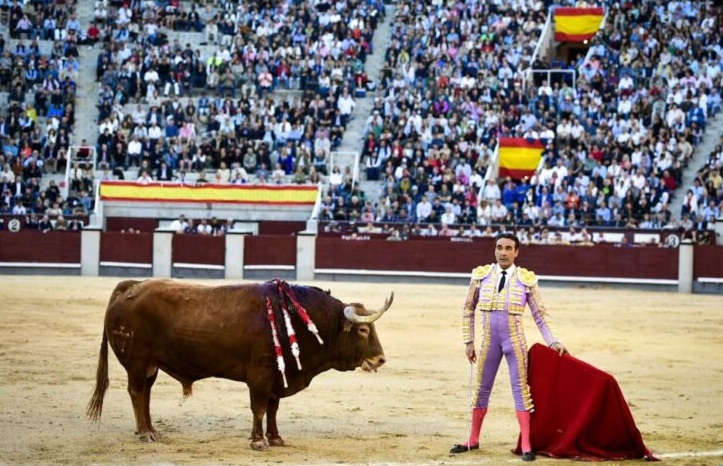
{"x":502,"y":334}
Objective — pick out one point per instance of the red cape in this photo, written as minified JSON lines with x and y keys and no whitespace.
{"x":580,"y":412}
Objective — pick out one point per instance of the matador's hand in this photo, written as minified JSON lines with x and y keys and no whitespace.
{"x":469,"y":351}
{"x":560,"y":348}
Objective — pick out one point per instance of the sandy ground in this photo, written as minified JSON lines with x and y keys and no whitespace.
{"x":664,"y":349}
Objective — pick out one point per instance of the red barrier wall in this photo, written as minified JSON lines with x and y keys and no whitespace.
{"x":601,"y":261}
{"x":198,"y":249}
{"x":62,"y":247}
{"x":461,"y":257}
{"x":132,"y":248}
{"x":270,"y":250}
{"x":708,"y":262}
{"x":281,"y":227}
{"x":418,"y":256}
{"x":434,"y":255}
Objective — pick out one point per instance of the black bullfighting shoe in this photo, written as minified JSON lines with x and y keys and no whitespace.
{"x":463,"y":448}
{"x":528,"y":456}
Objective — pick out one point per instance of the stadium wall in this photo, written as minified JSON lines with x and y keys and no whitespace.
{"x":308,"y":256}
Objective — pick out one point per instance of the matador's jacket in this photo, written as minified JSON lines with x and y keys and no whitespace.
{"x":501,"y":333}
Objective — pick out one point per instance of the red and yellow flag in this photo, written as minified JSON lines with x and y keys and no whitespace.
{"x":577,"y":24}
{"x":519,"y":157}
{"x":209,"y":193}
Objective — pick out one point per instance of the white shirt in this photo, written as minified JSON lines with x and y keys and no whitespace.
{"x":178,"y":225}
{"x":204,"y":229}
{"x":346,"y":104}
{"x":155,"y":132}
{"x":424,"y":210}
{"x":151,"y":76}
{"x":499,"y":212}
{"x":510,"y":272}
{"x":448,"y":218}
{"x":134,"y":147}
{"x":492,"y":191}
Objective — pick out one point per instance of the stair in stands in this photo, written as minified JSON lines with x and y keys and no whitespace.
{"x":354,"y":135}
{"x":711,"y":138}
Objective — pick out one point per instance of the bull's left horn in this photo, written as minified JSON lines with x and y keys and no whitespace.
{"x":350,"y":313}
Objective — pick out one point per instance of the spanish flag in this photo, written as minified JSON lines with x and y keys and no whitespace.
{"x":209,"y":193}
{"x":519,"y":157}
{"x":577,"y":24}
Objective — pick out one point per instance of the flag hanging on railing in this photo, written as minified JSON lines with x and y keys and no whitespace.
{"x":577,"y":24}
{"x":265,"y":194}
{"x":519,"y":157}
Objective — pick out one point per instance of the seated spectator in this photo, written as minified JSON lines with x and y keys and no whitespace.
{"x":144,"y":178}
{"x":45,"y":225}
{"x":204,"y":228}
{"x":179,"y":224}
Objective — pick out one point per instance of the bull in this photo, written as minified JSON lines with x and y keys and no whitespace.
{"x":192,"y":332}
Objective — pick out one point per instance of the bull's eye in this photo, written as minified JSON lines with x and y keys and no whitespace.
{"x":363,"y":330}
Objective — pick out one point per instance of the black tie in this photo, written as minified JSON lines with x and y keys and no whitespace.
{"x":502,"y":282}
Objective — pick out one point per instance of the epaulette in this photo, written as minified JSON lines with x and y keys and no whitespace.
{"x":482,"y":271}
{"x":527,"y":277}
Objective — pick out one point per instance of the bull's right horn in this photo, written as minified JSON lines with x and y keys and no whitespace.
{"x":350,"y":313}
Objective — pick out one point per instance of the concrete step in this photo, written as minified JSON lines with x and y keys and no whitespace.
{"x":86,"y":120}
{"x":352,"y":141}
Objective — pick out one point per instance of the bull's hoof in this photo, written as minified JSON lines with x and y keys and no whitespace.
{"x":259,"y":445}
{"x":148,"y":437}
{"x":276,"y":442}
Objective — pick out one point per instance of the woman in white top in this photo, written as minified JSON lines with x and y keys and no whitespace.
{"x":7,"y":175}
{"x":335,"y":178}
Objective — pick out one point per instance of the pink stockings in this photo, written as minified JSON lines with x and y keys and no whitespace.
{"x":523,"y":418}
{"x":478,"y":415}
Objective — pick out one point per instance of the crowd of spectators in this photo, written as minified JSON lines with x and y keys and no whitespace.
{"x":38,"y":73}
{"x":544,"y":235}
{"x":454,"y":81}
{"x":616,"y":142}
{"x":203,"y":227}
{"x":212,"y":105}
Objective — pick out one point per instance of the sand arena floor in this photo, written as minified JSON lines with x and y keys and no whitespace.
{"x":664,"y":349}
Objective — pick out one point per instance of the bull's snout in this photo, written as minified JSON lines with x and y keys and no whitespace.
{"x":374,"y":363}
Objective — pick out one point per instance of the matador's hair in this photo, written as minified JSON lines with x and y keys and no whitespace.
{"x":508,"y":235}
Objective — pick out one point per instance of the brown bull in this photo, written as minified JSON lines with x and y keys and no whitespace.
{"x":192,"y":332}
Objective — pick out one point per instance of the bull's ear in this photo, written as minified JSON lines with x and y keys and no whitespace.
{"x":347,"y":325}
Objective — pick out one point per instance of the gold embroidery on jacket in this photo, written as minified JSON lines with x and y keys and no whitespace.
{"x":512,"y":299}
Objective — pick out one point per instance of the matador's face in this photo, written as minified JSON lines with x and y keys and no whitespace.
{"x":505,"y":252}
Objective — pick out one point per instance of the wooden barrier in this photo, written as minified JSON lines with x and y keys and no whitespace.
{"x":31,"y":246}
{"x":270,"y":250}
{"x":338,"y":256}
{"x":708,"y":263}
{"x":198,"y":249}
{"x":126,"y":248}
{"x":445,"y":256}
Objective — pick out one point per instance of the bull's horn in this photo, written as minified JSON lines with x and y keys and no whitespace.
{"x":350,"y":313}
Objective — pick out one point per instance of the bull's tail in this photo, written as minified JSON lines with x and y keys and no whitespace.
{"x":95,"y":407}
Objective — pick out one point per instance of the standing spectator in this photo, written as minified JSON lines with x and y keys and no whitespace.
{"x":346,"y":105}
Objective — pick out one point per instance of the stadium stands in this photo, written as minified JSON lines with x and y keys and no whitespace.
{"x":259,"y":92}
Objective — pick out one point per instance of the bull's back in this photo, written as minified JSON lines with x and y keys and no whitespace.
{"x":190,"y":331}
